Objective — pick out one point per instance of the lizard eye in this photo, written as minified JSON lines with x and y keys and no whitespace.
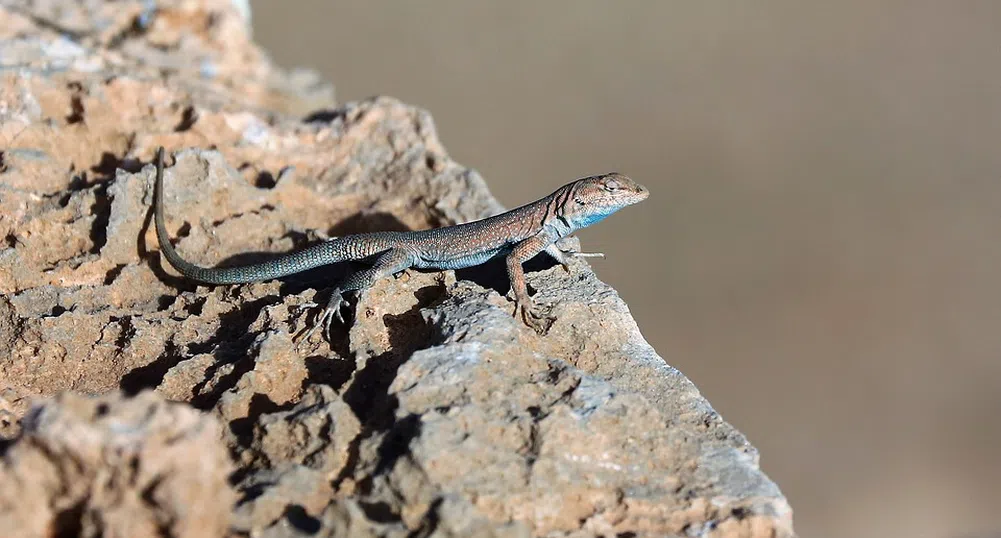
{"x":611,"y":185}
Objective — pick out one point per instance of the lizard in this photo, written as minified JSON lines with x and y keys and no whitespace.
{"x":518,"y":235}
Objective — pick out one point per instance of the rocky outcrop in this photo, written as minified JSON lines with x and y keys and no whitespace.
{"x":115,"y":466}
{"x":434,"y":413}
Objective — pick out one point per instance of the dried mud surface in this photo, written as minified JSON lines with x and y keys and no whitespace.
{"x":135,"y":403}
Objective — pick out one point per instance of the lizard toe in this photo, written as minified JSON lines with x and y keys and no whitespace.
{"x":304,"y":336}
{"x":325,"y":318}
{"x":539,"y":322}
{"x":338,"y":312}
{"x":328,"y":319}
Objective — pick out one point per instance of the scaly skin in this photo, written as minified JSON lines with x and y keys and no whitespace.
{"x":518,"y":234}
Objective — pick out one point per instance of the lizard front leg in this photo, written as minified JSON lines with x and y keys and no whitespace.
{"x":522,"y":301}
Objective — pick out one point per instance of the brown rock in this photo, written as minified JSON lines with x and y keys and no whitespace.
{"x":486,"y":415}
{"x":448,"y":517}
{"x":276,"y":378}
{"x":435,"y":413}
{"x":115,"y":466}
{"x":317,"y":432}
{"x":276,"y":494}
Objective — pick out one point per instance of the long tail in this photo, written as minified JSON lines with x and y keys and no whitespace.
{"x":324,"y":253}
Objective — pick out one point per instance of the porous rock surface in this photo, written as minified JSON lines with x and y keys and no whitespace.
{"x":134,"y":403}
{"x":115,"y":466}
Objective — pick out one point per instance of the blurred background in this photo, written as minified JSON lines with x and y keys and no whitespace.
{"x":820,"y":252}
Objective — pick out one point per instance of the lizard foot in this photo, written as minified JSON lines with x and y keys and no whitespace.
{"x":326,"y":318}
{"x":539,"y":322}
{"x":586,"y":254}
{"x":574,"y":254}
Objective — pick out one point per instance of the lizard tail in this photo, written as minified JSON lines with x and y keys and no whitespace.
{"x":315,"y":256}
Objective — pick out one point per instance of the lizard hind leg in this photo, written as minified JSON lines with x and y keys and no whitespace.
{"x":325,"y":319}
{"x":390,"y":262}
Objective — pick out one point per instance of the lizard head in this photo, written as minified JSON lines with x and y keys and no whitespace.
{"x":591,"y":199}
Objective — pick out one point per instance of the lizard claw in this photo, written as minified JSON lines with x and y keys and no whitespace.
{"x":539,"y":322}
{"x":326,"y":318}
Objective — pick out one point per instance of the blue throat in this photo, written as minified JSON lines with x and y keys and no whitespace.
{"x":593,"y":218}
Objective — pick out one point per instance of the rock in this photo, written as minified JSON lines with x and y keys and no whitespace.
{"x":116,"y":466}
{"x":317,"y":432}
{"x":448,"y":517}
{"x":278,"y":493}
{"x":486,"y":414}
{"x":435,"y":413}
{"x":12,"y":406}
{"x":276,"y":378}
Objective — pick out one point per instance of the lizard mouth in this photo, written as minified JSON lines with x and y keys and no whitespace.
{"x":642,"y":193}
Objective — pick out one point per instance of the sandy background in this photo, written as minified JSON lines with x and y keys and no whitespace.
{"x":821,"y":250}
